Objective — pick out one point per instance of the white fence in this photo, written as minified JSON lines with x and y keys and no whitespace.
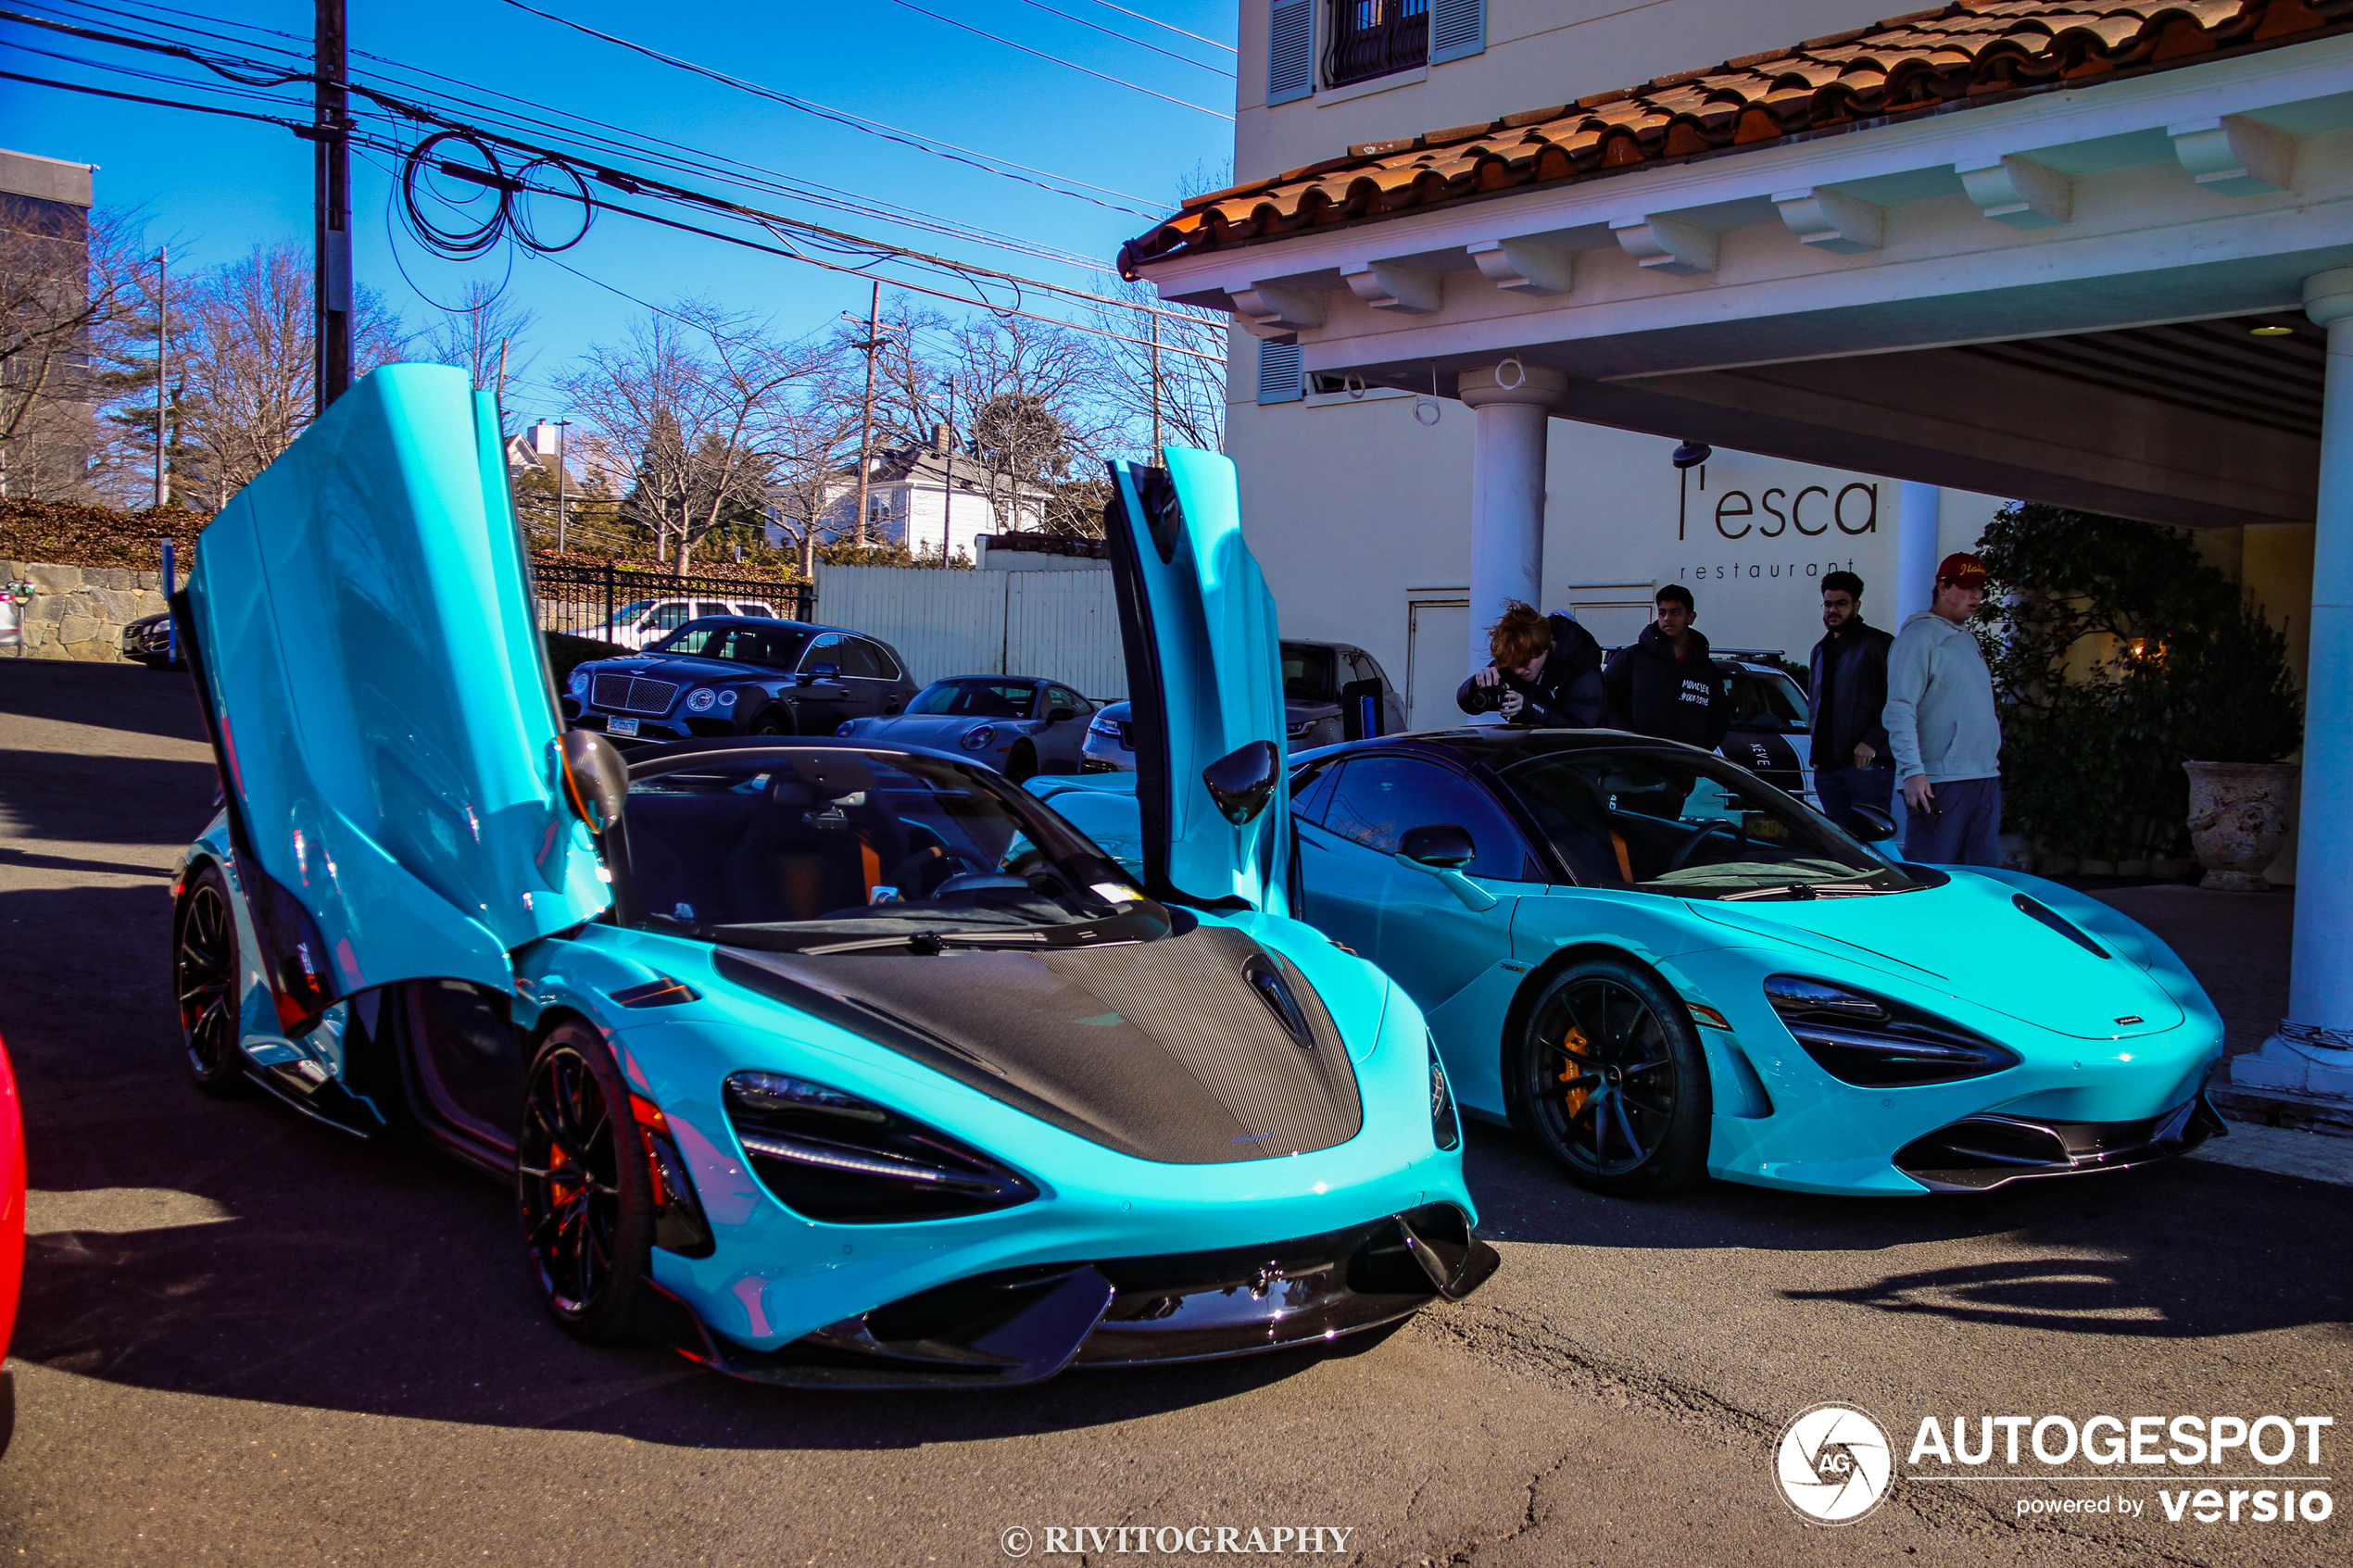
{"x":1061,"y":625}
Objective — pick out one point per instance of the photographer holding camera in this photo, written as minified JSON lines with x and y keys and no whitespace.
{"x":1545,"y":670}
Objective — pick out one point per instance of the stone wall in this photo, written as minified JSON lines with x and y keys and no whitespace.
{"x":80,"y":611}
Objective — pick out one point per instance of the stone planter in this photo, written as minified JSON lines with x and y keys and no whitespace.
{"x":2240,"y":813}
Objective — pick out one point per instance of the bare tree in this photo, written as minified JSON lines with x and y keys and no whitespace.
{"x":247,"y":346}
{"x":697,"y":407}
{"x":1178,"y":391}
{"x":484,"y":331}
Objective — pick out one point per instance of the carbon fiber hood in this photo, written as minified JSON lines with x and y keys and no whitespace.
{"x":1162,"y":1050}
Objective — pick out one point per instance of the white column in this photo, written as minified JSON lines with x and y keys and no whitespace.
{"x":1911,"y":564}
{"x":1507,"y":490}
{"x":2313,"y":1050}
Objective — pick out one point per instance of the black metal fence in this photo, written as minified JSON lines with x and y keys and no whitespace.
{"x":617,"y":604}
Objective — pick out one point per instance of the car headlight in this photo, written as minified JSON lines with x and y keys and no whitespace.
{"x":1877,"y":1043}
{"x":727,"y":698}
{"x":833,"y":1156}
{"x":1298,"y":731}
{"x":978,"y":739}
{"x":1106,"y":728}
{"x":847,"y":727}
{"x":577,"y":681}
{"x":1444,"y":1125}
{"x":703,"y":701}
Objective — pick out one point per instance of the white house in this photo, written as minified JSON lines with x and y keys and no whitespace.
{"x":925,"y":497}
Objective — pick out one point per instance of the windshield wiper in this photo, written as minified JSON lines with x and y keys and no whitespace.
{"x":1800,"y":890}
{"x":929,"y":942}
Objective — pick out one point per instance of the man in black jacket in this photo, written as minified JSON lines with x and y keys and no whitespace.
{"x":1545,"y":671}
{"x":1666,"y":685}
{"x":1851,"y":763}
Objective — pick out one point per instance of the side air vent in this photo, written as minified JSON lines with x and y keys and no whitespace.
{"x":2059,"y":924}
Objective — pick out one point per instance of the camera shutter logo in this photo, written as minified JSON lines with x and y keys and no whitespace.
{"x":1833,"y":1463}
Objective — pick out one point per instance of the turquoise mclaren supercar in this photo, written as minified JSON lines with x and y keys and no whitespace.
{"x":831,"y":1062}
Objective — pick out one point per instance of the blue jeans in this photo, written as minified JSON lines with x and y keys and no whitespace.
{"x":1839,"y":788}
{"x":1961,"y":827}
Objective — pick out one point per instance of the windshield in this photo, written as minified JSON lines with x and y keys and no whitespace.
{"x":1690,"y":826}
{"x":1310,"y":674}
{"x":975,"y":699}
{"x":810,"y":849}
{"x":1762,"y":701}
{"x":767,"y":645}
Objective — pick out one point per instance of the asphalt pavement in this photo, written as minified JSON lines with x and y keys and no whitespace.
{"x":248,"y":1337}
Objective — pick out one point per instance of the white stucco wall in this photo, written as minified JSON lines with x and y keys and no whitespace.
{"x":1539,"y":52}
{"x":1361,"y":517}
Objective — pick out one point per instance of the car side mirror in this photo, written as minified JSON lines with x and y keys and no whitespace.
{"x":1243,"y":780}
{"x":1870,"y":824}
{"x":1060,"y":716}
{"x":1441,"y":850}
{"x":825,"y":672}
{"x":1443,"y":844}
{"x":596,"y":781}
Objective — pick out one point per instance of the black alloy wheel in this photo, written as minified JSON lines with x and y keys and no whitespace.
{"x":207,"y":979}
{"x":585,"y":1187}
{"x":1611,"y":1078}
{"x":1022,"y":766}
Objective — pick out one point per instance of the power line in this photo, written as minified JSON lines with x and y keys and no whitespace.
{"x":507,"y":186}
{"x":1057,"y":60}
{"x":1127,"y":38}
{"x":1172,"y":26}
{"x":938,"y":148}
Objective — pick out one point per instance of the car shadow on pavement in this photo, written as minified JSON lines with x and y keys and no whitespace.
{"x":2184,"y":1249}
{"x":116,"y":696}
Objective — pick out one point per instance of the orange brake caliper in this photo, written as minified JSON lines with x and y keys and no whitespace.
{"x":1572,"y":1070}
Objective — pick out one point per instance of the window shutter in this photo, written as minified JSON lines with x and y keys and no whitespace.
{"x":1457,"y":28}
{"x":1290,"y":51}
{"x":1279,"y":377}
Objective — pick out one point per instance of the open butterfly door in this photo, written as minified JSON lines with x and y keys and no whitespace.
{"x":364,"y":641}
{"x":1204,"y":673}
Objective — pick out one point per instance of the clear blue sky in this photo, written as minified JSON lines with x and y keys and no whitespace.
{"x":215,"y":187}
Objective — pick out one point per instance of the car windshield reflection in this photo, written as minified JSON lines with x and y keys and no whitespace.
{"x":767,"y":646}
{"x":808,"y":849}
{"x":1762,"y":701}
{"x":1691,"y":826}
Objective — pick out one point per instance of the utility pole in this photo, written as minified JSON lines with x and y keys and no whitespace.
{"x":163,"y":397}
{"x":332,"y":205}
{"x":1155,"y":321}
{"x":866,"y":412}
{"x":561,"y":425}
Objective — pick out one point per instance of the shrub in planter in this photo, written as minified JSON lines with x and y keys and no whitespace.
{"x":2117,"y":655}
{"x":2237,"y":714}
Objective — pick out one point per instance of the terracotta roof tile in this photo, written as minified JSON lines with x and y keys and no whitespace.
{"x":1908,"y":64}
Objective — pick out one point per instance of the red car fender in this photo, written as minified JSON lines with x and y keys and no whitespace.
{"x":12,"y":1173}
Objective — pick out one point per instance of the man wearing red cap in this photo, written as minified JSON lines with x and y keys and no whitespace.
{"x":1943,"y":729}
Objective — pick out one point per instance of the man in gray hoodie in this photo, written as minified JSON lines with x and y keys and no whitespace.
{"x":1942,"y":726}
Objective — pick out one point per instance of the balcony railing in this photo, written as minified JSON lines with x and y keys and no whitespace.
{"x":1375,"y":37}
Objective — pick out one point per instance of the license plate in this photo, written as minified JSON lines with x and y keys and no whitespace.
{"x":621,"y":726}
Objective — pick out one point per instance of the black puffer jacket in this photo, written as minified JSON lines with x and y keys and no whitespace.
{"x":1850,"y":690}
{"x":1652,"y":693}
{"x":1568,"y":687}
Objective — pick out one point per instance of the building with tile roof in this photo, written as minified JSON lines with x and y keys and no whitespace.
{"x":1493,"y":262}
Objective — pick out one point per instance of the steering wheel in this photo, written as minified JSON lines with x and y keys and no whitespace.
{"x":1683,"y":850}
{"x":924,"y":869}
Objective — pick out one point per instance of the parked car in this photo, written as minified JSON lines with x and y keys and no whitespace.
{"x":1314,"y":677}
{"x":1772,"y":720}
{"x":148,"y":641}
{"x":12,"y":1201}
{"x":832,"y":1063}
{"x":644,"y":621}
{"x":732,"y":676}
{"x":1017,"y":724}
